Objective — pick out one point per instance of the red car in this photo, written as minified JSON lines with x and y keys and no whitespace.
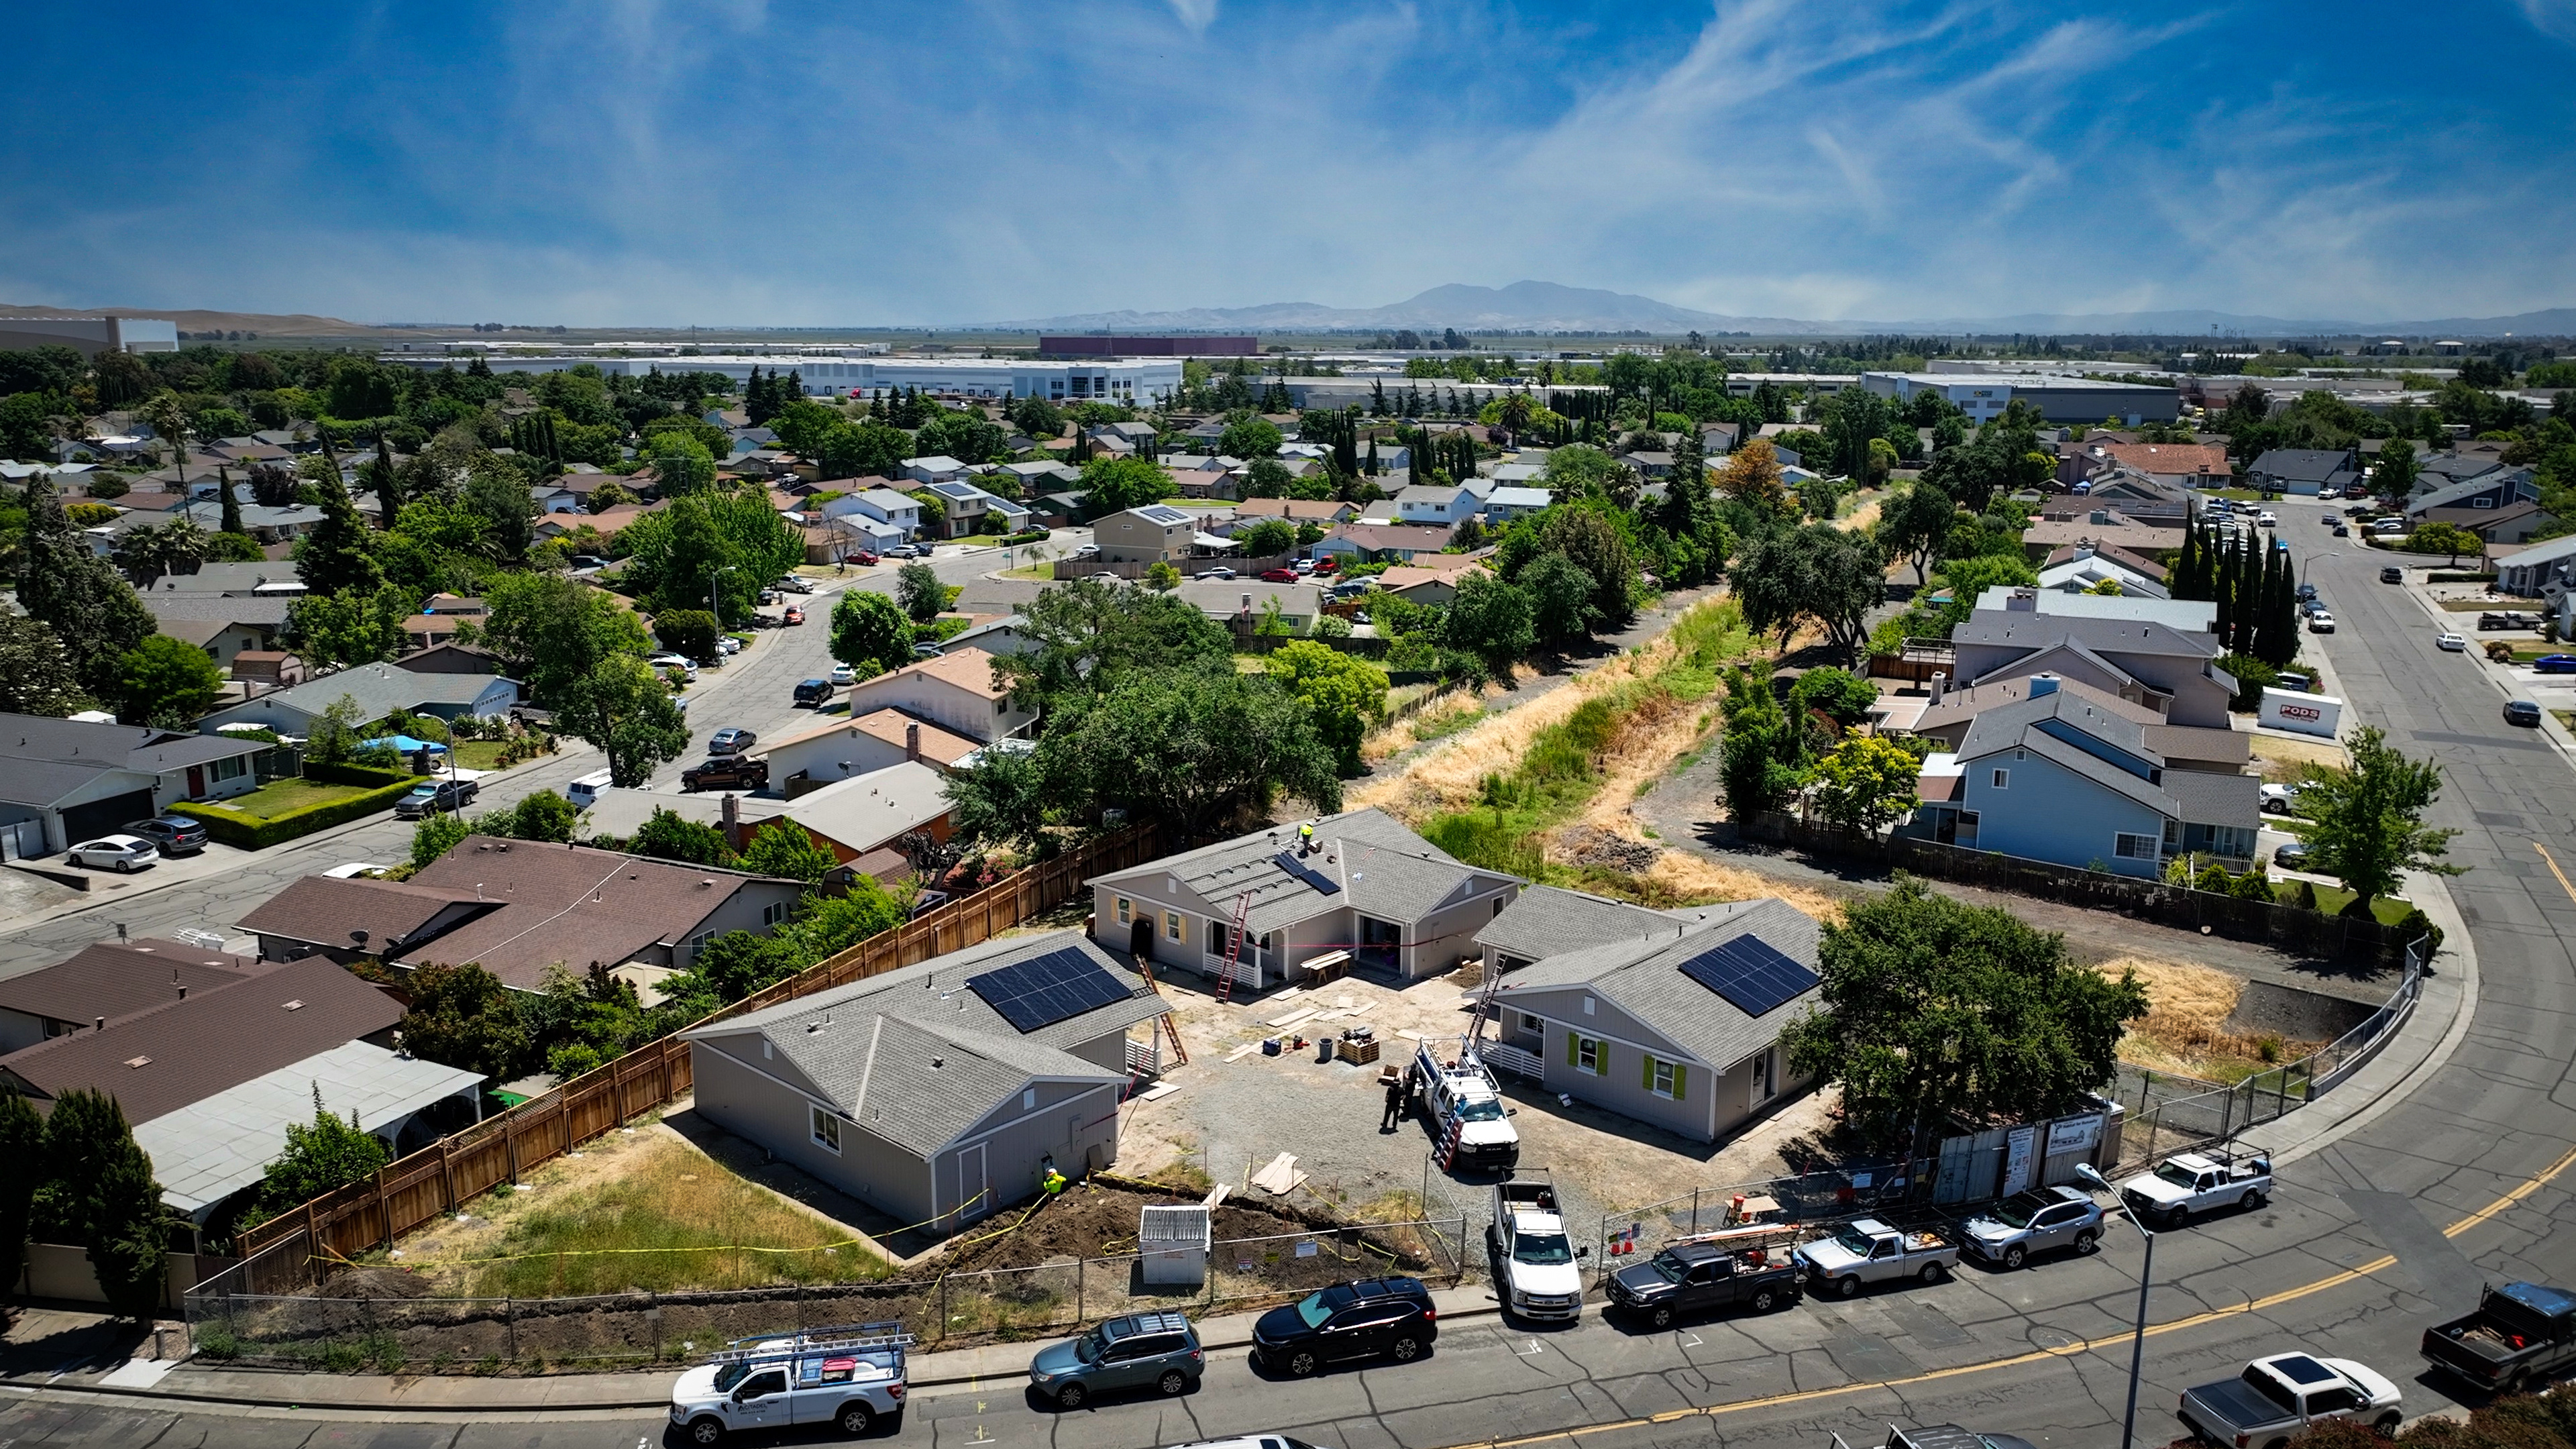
{"x":1279,"y":576}
{"x":1324,"y":564}
{"x":795,"y":615}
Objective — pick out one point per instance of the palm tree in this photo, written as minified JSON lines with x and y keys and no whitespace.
{"x":170,"y":422}
{"x":150,"y":550}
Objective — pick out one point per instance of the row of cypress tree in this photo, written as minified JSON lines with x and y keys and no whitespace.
{"x":2251,"y":579}
{"x":79,"y":1177}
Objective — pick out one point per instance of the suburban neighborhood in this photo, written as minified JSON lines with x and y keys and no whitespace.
{"x":1095,"y":856}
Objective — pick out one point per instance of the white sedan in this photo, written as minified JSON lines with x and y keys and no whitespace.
{"x":124,"y":853}
{"x":2451,"y":643}
{"x":2321,"y":622}
{"x":843,"y":674}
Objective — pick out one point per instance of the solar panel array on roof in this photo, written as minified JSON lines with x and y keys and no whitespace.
{"x":1044,"y":990}
{"x":1287,"y":860}
{"x":1750,"y":974}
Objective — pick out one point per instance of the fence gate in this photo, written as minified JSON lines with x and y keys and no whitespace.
{"x":22,"y":841}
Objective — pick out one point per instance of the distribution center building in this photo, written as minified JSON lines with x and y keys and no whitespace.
{"x":1119,"y":380}
{"x":1984,"y":396}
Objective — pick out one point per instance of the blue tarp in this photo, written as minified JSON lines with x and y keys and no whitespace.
{"x":410,"y":746}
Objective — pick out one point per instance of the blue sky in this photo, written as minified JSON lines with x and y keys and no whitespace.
{"x":623,"y":162}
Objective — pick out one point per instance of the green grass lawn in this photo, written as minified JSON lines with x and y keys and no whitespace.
{"x":272,"y":800}
{"x":478,"y":754}
{"x":2389,"y":909}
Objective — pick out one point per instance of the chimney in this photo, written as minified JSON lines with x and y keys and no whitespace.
{"x":2042,"y":685}
{"x":732,"y":824}
{"x":101,"y":1026}
{"x":912,"y":743}
{"x":1940,"y":685}
{"x":2023,"y":601}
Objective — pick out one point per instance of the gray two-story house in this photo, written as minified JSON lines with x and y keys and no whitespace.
{"x":1361,"y":884}
{"x":2171,"y":671}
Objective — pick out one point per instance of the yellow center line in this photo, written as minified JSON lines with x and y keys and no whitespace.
{"x":2554,"y":870}
{"x":2154,"y":1330}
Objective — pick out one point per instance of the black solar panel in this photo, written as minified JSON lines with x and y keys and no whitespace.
{"x":1044,"y":990}
{"x":1753,"y":976}
{"x":1287,"y":860}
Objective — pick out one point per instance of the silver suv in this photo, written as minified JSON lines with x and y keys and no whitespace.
{"x":1141,"y":1350}
{"x":2037,"y":1221}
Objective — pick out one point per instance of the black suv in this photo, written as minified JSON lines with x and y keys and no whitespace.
{"x":814,"y":691}
{"x":1389,"y":1316}
{"x":2392,"y":575}
{"x":726,"y":772}
{"x":170,"y":834}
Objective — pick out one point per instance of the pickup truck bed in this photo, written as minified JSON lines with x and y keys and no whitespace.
{"x":2519,"y":1332}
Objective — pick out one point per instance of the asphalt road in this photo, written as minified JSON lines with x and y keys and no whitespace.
{"x":754,"y":690}
{"x":2457,"y":1182}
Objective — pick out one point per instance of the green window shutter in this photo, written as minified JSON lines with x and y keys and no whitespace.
{"x":1573,"y":1048}
{"x":1681,"y":1075}
{"x":1649,"y":1063}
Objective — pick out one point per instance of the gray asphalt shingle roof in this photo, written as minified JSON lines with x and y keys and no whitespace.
{"x":379,"y":689}
{"x":917,"y":1057}
{"x":1364,"y":859}
{"x":1644,"y":979}
{"x":1551,"y":921}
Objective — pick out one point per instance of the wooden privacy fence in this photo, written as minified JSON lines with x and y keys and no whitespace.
{"x":287,"y":1252}
{"x":2285,"y":927}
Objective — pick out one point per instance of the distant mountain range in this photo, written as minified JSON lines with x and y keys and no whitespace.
{"x":1549,"y":307}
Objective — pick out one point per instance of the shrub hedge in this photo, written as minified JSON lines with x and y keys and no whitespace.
{"x":356,"y":775}
{"x":249,"y":832}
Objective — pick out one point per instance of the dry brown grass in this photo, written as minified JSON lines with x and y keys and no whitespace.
{"x":1699,"y":880}
{"x":2185,"y":1028}
{"x":1450,"y":776}
{"x":2280,"y":759}
{"x":1442,"y":714}
{"x":1659,"y":731}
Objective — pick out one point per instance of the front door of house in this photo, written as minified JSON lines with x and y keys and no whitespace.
{"x":1140,"y":938}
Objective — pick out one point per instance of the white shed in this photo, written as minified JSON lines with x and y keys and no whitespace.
{"x":1173,"y":1240}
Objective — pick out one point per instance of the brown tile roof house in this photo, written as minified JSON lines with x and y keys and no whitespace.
{"x":1388,"y":542}
{"x":2113,"y":532}
{"x":956,"y":690}
{"x":519,"y":908}
{"x":2134,"y":562}
{"x":181,"y":1051}
{"x":1321,"y":511}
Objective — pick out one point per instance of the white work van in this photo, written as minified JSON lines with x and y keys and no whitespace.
{"x":585,"y":792}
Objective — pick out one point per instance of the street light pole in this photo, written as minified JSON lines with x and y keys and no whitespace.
{"x":2146,"y":1278}
{"x":720,"y":572}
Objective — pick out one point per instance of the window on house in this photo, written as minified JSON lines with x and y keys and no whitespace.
{"x":1126,"y":911}
{"x":1586,"y":1053}
{"x":1028,"y":1099}
{"x":1172,"y":925}
{"x":1587,"y":1006}
{"x":700,"y":941}
{"x":232,"y":769}
{"x":2129,"y":846}
{"x":1664,"y":1078}
{"x":827,"y":1131}
{"x":2003,"y":778}
{"x":1529,"y":1023}
{"x":773,"y":913}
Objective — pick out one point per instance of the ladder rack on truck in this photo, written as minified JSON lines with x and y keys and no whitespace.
{"x":840,"y":1338}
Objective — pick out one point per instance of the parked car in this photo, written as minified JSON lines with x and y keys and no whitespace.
{"x":1535,"y":1261}
{"x":1869,"y":1251}
{"x":794,"y":615}
{"x":2507,"y":619}
{"x":1140,"y":1350}
{"x":2267,"y":519}
{"x":865,"y":558}
{"x":727,"y":644}
{"x":814,"y":691}
{"x":2196,"y":1182}
{"x":1950,"y":1436}
{"x":2321,"y":622}
{"x":585,"y":791}
{"x":2341,"y":529}
{"x":843,"y":674}
{"x":680,"y":662}
{"x":1302,"y":567}
{"x":1106,"y":578}
{"x":2280,"y":799}
{"x":1088,"y":550}
{"x":731,"y":741}
{"x":1219,"y":572}
{"x":2554,"y":664}
{"x":2450,"y":643}
{"x":846,"y":1377}
{"x":2040,"y":1220}
{"x":2392,"y":575}
{"x":1687,"y":1279}
{"x":726,"y":772}
{"x":2292,"y":856}
{"x":171,"y":834}
{"x":1372,"y":1318}
{"x":124,"y":854}
{"x":1279,"y":576}
{"x":2277,"y":1397}
{"x":354,"y":870}
{"x":793,"y":584}
{"x":2520,"y":1332}
{"x":436,"y":797}
{"x":928,"y":651}
{"x":2307,"y":591}
{"x":2522,"y":712}
{"x":906,"y":550}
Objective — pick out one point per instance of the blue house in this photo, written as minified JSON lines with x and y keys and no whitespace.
{"x":2059,"y":778}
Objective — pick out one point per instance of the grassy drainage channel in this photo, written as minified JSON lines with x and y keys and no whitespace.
{"x":1651,"y":716}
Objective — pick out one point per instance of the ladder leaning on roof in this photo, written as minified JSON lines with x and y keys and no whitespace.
{"x":1168,"y":1026}
{"x":1234,"y":947}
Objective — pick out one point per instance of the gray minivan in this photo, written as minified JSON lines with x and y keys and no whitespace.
{"x":1140,"y":1350}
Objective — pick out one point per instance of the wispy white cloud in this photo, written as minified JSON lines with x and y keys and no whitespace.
{"x":1198,"y":15}
{"x":2553,"y":18}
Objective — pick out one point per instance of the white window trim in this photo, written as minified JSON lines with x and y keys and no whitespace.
{"x":1126,"y":911}
{"x":816,"y":1119}
{"x":1599,"y":1049}
{"x":1663,"y":1078}
{"x":2002,"y":780}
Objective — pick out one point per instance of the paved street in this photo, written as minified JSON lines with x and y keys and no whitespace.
{"x":754,"y":690}
{"x":2365,"y":1243}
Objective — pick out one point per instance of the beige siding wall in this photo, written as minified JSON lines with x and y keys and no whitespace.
{"x":1075,"y":1123}
{"x":741,"y":1099}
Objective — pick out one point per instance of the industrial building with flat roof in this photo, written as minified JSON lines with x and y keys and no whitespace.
{"x":1121,"y":380}
{"x":91,"y":335}
{"x":1984,"y":396}
{"x":1113,"y":346}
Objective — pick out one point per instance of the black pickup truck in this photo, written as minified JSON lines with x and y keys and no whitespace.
{"x":1694,"y":1278}
{"x":2520,"y":1332}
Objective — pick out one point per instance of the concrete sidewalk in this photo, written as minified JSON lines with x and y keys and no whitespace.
{"x":200,"y":1381}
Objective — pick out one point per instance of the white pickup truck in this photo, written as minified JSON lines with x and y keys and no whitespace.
{"x":1461,"y":1096}
{"x":1869,"y":1251}
{"x":1534,"y":1258}
{"x":2275,"y":1400}
{"x":2194,"y":1182}
{"x":850,"y":1376}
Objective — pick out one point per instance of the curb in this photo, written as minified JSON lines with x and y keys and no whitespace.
{"x":248,"y":1396}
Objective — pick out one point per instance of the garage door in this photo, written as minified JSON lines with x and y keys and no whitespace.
{"x":102,"y":817}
